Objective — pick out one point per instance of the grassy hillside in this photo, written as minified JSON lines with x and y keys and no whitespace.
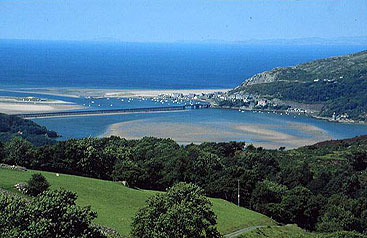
{"x":337,"y":83}
{"x":116,"y":204}
{"x":288,"y":231}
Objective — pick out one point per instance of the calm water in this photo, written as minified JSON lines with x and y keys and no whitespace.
{"x":222,"y":122}
{"x":169,"y":66}
{"x":150,"y":66}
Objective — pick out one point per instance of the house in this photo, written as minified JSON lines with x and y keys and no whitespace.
{"x":262,"y":102}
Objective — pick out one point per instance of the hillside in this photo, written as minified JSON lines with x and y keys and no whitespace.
{"x":332,"y":85}
{"x":11,"y":126}
{"x":117,"y":204}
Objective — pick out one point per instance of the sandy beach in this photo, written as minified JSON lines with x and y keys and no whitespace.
{"x":267,"y":136}
{"x":17,"y":107}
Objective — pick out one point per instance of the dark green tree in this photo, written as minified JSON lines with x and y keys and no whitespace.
{"x":37,"y":184}
{"x":51,"y":214}
{"x":183,"y":211}
{"x":336,"y":218}
{"x":19,"y":152}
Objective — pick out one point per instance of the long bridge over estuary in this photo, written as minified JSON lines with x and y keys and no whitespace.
{"x":112,"y":111}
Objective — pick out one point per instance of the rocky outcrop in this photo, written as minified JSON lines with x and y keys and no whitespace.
{"x":263,"y":77}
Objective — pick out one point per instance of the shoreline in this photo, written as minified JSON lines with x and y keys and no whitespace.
{"x":19,"y":107}
{"x":329,"y":119}
{"x":101,"y":92}
{"x":134,"y":93}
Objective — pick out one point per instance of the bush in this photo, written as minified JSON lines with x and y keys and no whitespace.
{"x":51,"y":214}
{"x":37,"y":184}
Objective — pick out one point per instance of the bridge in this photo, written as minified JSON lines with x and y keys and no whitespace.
{"x":112,"y":111}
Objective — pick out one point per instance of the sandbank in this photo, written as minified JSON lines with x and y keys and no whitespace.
{"x":17,"y":107}
{"x":267,"y":136}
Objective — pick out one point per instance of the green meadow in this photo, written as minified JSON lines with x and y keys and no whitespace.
{"x":116,"y":204}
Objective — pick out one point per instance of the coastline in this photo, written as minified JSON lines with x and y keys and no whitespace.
{"x":329,"y":119}
{"x":95,"y":92}
{"x":130,"y":93}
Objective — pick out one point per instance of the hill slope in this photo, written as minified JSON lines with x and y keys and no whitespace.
{"x":11,"y":126}
{"x":116,"y":205}
{"x":339,"y":84}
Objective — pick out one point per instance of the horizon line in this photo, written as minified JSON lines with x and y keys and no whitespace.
{"x":251,"y":41}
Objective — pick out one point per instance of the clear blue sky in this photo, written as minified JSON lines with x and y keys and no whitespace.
{"x":175,"y":20}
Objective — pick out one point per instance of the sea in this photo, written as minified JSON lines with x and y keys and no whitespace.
{"x":109,"y":65}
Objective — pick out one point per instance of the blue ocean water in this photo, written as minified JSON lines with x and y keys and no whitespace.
{"x":145,"y":65}
{"x":36,"y":64}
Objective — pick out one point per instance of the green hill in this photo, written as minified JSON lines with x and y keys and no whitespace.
{"x":335,"y":85}
{"x":11,"y":126}
{"x":116,"y":204}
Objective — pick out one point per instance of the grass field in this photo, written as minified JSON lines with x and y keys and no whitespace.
{"x":288,"y":231}
{"x":116,"y":205}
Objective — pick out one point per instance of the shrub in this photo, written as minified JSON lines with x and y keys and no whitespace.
{"x":37,"y":184}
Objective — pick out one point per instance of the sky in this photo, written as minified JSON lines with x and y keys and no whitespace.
{"x":181,"y":20}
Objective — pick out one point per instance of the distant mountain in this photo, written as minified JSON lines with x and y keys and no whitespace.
{"x":357,"y":40}
{"x":339,"y":84}
{"x":353,"y":40}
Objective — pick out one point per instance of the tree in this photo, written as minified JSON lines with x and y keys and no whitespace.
{"x":300,"y":207}
{"x":19,"y":152}
{"x":2,"y":152}
{"x":336,"y":218}
{"x":265,"y":195}
{"x":358,"y":160}
{"x":37,"y":184}
{"x":127,"y":170}
{"x":183,"y":211}
{"x":51,"y":214}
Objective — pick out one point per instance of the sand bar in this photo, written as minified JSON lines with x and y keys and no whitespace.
{"x":17,"y":108}
{"x":267,"y":136}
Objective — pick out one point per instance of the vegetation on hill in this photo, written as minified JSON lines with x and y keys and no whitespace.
{"x":320,"y":187}
{"x":51,"y":214}
{"x":37,"y":184}
{"x":116,"y":205}
{"x":183,"y":211}
{"x":338,"y":83}
{"x":13,"y":126}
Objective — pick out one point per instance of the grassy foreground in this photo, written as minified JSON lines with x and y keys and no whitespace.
{"x":116,"y":205}
{"x":288,"y":231}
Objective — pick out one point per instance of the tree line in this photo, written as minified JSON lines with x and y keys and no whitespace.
{"x":320,"y":188}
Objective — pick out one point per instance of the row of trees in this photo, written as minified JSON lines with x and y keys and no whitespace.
{"x":290,"y":186}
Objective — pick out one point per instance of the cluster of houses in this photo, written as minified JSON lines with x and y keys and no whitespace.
{"x":248,"y":100}
{"x":191,"y":96}
{"x":22,"y":99}
{"x":340,"y":117}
